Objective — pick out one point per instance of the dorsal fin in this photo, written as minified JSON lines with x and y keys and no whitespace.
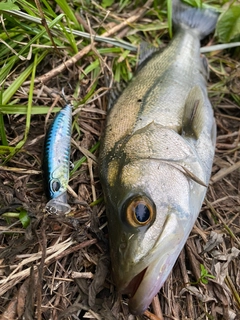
{"x":145,"y":51}
{"x":115,"y":92}
{"x":193,"y":116}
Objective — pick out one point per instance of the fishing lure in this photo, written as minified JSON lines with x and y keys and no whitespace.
{"x":56,"y":161}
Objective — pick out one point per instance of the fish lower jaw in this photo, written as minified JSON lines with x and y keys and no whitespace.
{"x":147,"y":288}
{"x":152,"y":271}
{"x":143,"y":287}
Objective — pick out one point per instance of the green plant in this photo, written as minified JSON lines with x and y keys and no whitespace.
{"x":204,"y":275}
{"x":22,"y":215}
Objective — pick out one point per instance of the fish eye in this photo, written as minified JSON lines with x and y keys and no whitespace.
{"x":55,"y":185}
{"x":140,"y":211}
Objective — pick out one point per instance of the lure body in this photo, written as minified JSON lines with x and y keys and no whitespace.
{"x":56,"y":161}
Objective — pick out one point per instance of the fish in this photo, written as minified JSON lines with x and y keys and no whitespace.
{"x":156,"y":157}
{"x":56,"y":161}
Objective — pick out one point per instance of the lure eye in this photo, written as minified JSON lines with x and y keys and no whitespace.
{"x":140,"y":211}
{"x":55,"y":185}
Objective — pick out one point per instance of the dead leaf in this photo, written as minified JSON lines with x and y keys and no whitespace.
{"x":99,"y":279}
{"x":196,"y":292}
{"x":221,"y":269}
{"x":214,"y":240}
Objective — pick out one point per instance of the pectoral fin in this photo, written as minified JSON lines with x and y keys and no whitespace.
{"x":193,"y":116}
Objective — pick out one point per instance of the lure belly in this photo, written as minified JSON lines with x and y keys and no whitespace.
{"x":56,"y":161}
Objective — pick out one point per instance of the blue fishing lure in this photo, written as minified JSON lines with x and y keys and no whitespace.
{"x":56,"y":161}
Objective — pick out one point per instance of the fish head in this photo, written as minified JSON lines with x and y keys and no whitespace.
{"x":150,"y":215}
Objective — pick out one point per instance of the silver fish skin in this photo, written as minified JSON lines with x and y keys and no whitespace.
{"x":156,"y":158}
{"x":56,"y":161}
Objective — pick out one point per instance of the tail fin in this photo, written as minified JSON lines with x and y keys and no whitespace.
{"x":202,"y":22}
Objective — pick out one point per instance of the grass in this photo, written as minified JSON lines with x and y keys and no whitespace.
{"x":49,"y":46}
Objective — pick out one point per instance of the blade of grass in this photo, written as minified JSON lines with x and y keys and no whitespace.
{"x":96,"y":202}
{"x":6,"y":149}
{"x":70,"y":37}
{"x":116,"y":42}
{"x":6,"y":69}
{"x":230,"y":284}
{"x":169,"y":16}
{"x":49,"y":8}
{"x":88,"y":69}
{"x":44,"y":23}
{"x":10,"y":91}
{"x":9,"y":47}
{"x":29,"y":108}
{"x":21,"y":109}
{"x":30,"y":98}
{"x":78,"y":164}
{"x":218,"y":47}
{"x":68,"y":11}
{"x":2,"y":131}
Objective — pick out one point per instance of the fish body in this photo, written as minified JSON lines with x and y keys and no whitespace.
{"x":56,"y":160}
{"x":155,"y":160}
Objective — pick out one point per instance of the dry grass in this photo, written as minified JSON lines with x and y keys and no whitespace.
{"x":59,"y":267}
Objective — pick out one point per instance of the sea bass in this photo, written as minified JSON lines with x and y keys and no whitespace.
{"x":56,"y":161}
{"x":156,"y":158}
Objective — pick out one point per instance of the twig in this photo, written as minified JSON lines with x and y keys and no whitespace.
{"x":230,"y":284}
{"x":90,"y":168}
{"x":43,"y":245}
{"x":157,"y":308}
{"x":189,"y":299}
{"x":84,"y":275}
{"x":67,"y":64}
{"x":227,"y":116}
{"x":224,"y":172}
{"x":151,"y":316}
{"x":79,"y":246}
{"x":44,"y":23}
{"x":86,"y":26}
{"x":57,"y":252}
{"x":19,"y":170}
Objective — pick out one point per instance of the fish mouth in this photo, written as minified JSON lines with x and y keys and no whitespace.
{"x":144,"y":286}
{"x":134,"y":284}
{"x":153,"y":272}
